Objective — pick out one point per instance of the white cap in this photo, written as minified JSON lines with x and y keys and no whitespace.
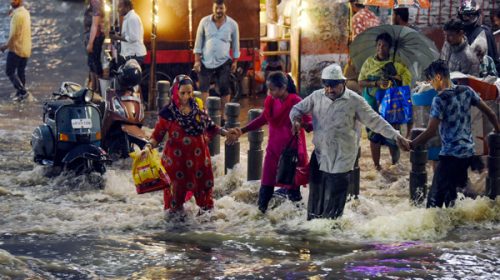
{"x":332,"y":72}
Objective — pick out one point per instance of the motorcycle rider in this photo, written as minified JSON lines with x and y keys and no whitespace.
{"x":124,"y":114}
{"x":129,"y":75}
{"x":479,"y":36}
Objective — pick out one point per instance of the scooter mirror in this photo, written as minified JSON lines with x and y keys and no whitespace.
{"x":89,"y":94}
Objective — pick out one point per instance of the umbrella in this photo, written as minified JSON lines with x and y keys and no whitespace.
{"x":414,"y":49}
{"x":423,"y":4}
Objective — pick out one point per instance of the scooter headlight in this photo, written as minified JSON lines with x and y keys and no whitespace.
{"x":89,"y":95}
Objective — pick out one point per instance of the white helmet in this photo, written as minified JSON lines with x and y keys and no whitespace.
{"x":332,"y":72}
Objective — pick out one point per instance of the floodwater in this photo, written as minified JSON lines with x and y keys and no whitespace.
{"x":88,"y":227}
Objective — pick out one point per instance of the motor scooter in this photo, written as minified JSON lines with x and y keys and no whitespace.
{"x":124,"y":112}
{"x":70,"y":135}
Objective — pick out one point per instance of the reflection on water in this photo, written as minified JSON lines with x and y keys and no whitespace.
{"x":86,"y":227}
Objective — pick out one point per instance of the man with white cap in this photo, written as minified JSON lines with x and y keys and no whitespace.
{"x":336,"y":110}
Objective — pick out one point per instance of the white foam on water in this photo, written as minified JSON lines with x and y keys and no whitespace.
{"x":70,"y":204}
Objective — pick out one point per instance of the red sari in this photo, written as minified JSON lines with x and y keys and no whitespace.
{"x":186,"y":158}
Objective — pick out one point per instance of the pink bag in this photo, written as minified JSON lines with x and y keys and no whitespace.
{"x":302,"y":175}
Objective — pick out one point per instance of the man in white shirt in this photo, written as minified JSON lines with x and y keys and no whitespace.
{"x":132,"y":33}
{"x":336,"y":110}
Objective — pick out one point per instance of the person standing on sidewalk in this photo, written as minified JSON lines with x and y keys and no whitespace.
{"x":19,"y":46}
{"x":216,"y":35}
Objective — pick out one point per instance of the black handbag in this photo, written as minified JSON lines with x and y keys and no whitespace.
{"x":288,"y":163}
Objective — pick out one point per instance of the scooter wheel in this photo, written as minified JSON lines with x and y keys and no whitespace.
{"x":119,"y":147}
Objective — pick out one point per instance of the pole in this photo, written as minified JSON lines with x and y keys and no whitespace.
{"x":493,"y":179}
{"x":418,"y":174}
{"x":213,"y":108}
{"x":255,"y":152}
{"x":163,"y":88}
{"x":354,"y":182}
{"x":232,"y":152}
{"x":152,"y":69}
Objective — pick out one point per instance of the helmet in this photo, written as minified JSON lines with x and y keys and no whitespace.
{"x":130,"y":74}
{"x":332,"y":72}
{"x":471,"y":9}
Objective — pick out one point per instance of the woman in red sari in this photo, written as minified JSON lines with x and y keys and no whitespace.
{"x":186,"y":156}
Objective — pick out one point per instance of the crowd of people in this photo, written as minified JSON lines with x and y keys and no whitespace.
{"x":333,"y":114}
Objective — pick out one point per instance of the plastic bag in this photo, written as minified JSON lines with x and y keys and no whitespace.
{"x":148,"y":172}
{"x":395,"y":104}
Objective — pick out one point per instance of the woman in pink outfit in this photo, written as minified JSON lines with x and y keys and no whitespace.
{"x":277,"y":106}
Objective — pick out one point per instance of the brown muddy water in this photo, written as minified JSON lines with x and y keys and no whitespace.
{"x":91,"y":227}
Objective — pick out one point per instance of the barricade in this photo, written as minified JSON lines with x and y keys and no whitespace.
{"x":255,"y":152}
{"x":213,"y":108}
{"x":418,"y":173}
{"x":232,"y":152}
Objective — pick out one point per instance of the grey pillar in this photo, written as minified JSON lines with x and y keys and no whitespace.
{"x":418,"y":173}
{"x":232,"y":152}
{"x":213,"y":108}
{"x":354,"y":179}
{"x":493,"y":179}
{"x":163,"y":88}
{"x":255,"y":152}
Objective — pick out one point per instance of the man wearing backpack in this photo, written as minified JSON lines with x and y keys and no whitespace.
{"x":451,"y":113}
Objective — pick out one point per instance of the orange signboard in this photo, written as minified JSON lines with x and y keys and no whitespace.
{"x":423,"y":4}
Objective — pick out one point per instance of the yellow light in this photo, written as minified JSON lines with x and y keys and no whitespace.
{"x":63,"y":137}
{"x":107,"y":8}
{"x":156,"y":19}
{"x":304,"y":21}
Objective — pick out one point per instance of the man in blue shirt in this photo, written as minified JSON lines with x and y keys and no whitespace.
{"x":216,"y":35}
{"x":451,"y":112}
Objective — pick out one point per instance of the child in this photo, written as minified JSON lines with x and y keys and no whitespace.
{"x":450,"y":111}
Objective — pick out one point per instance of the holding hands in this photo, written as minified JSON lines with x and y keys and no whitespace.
{"x":403,"y":143}
{"x":232,"y":135}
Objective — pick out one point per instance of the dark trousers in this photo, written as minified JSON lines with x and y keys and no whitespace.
{"x":17,"y":64}
{"x":450,"y":174}
{"x":327,"y":192}
{"x":139,"y":59}
{"x":220,"y":76}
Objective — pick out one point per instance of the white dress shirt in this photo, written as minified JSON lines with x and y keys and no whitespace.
{"x":336,"y":137}
{"x":133,"y":32}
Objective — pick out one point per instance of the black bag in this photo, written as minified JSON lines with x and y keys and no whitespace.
{"x":288,"y":163}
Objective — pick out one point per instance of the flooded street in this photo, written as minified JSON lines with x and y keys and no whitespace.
{"x":92,"y":227}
